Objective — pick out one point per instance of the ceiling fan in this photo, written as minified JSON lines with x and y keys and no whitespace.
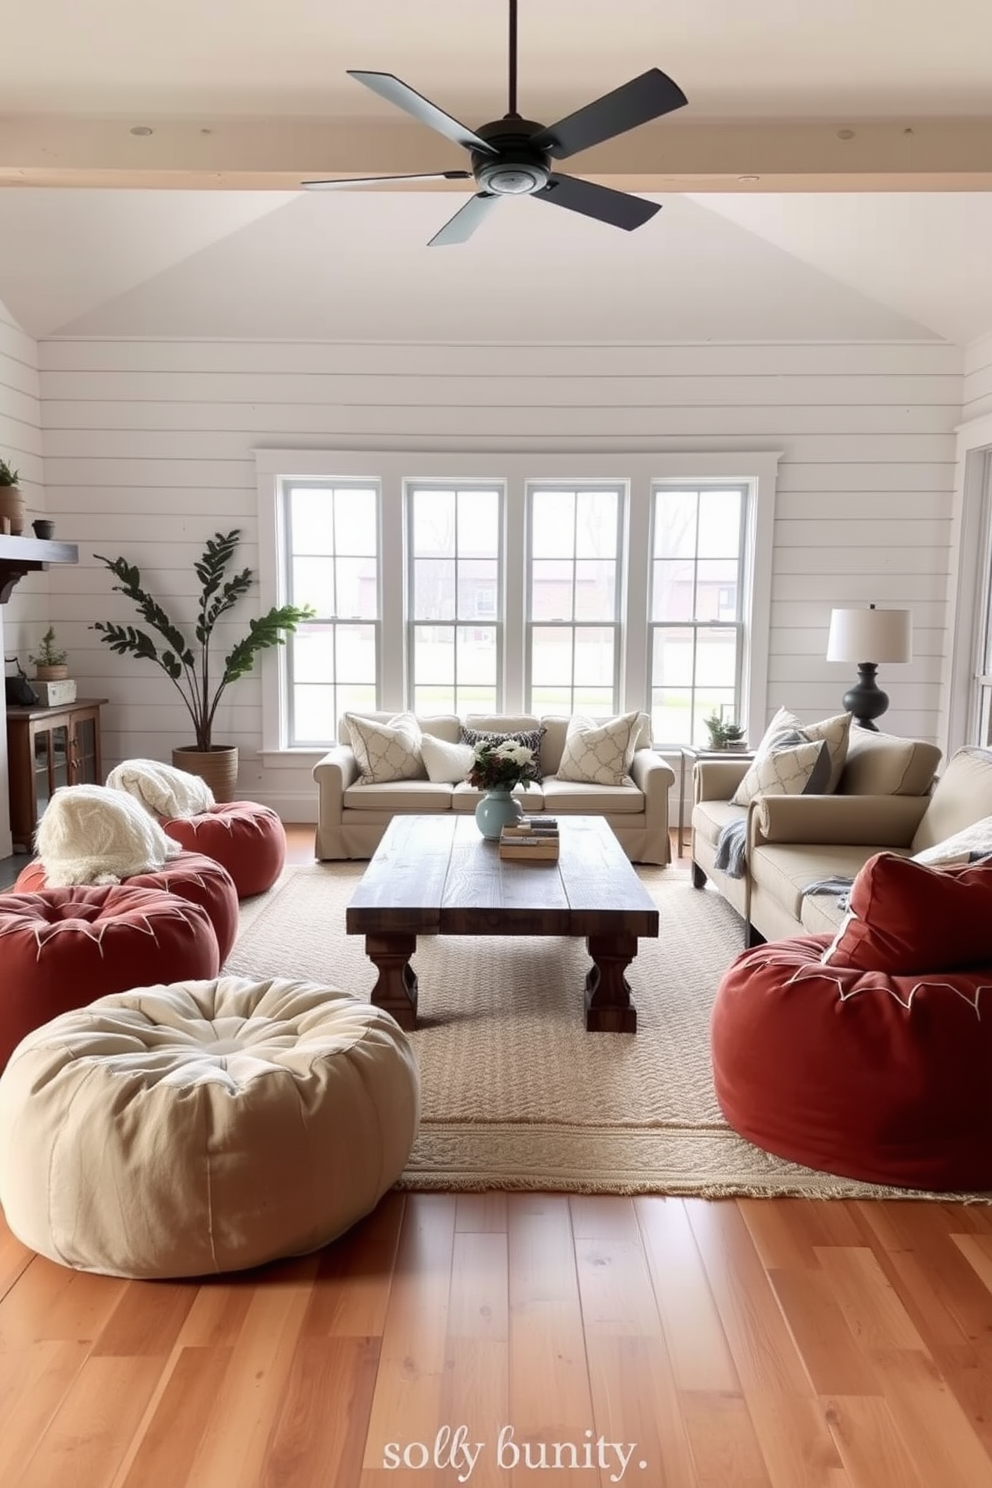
{"x":513,"y":156}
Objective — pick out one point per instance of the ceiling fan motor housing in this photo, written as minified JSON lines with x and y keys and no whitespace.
{"x":519,"y":169}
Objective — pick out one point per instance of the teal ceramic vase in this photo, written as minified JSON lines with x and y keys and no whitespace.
{"x":496,"y":810}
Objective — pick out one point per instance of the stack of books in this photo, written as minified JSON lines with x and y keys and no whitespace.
{"x":535,"y":839}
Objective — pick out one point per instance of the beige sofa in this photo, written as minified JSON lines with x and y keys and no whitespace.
{"x":886,"y":802}
{"x":352,"y":817}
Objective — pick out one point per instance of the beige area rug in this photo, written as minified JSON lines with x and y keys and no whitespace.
{"x":515,"y":1093}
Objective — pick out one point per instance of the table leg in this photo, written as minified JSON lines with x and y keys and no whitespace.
{"x":396,"y":987}
{"x":608,"y":1005}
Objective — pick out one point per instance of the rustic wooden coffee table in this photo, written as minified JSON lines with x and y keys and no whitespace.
{"x":436,"y":875}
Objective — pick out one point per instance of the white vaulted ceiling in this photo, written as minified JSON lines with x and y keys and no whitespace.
{"x":819,"y":102}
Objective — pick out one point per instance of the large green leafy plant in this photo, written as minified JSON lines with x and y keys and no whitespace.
{"x":190,"y":666}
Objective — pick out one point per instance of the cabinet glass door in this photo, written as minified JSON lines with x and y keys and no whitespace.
{"x":51,"y":763}
{"x":84,"y":753}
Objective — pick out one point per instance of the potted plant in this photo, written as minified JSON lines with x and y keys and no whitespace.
{"x":13,"y":507}
{"x":189,"y":665}
{"x":723,"y":733}
{"x":50,"y":659}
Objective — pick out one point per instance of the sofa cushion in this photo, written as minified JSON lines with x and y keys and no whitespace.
{"x":905,"y":918}
{"x":386,"y":751}
{"x":885,"y":765}
{"x":800,"y":769}
{"x":402,"y":796}
{"x":445,"y":763}
{"x":599,"y":753}
{"x":583,"y":798}
{"x":962,"y":795}
{"x":528,"y":738}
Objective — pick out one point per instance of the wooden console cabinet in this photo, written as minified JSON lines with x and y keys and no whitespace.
{"x":46,"y":748}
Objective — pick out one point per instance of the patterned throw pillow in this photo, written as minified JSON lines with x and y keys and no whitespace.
{"x":786,"y":731}
{"x":802,"y":770}
{"x":969,"y":845}
{"x":599,"y":753}
{"x":386,"y":751}
{"x":446,"y":763}
{"x":529,"y":738}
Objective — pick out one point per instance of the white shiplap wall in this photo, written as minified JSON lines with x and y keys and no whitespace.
{"x":148,"y":448}
{"x":977,"y":396}
{"x":21,"y":447}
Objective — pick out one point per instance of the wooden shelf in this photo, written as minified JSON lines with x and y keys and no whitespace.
{"x":23,"y":555}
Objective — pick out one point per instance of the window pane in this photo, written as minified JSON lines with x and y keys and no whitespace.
{"x":675,"y":524}
{"x":478,"y":523}
{"x":595,"y":591}
{"x":332,"y":564}
{"x":434,"y":523}
{"x":673,"y":593}
{"x":434,"y":654}
{"x":552,"y":528}
{"x":596,"y":524}
{"x":720,"y":523}
{"x":551,"y":656}
{"x":476,"y":657}
{"x":716,"y":659}
{"x":433,"y":589}
{"x":595,"y":662}
{"x":716,"y":590}
{"x":552,"y":589}
{"x":477,"y":578}
{"x":551,"y":700}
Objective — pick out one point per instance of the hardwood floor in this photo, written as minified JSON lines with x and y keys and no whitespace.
{"x":733,"y":1344}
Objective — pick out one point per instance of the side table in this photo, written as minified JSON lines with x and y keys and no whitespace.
{"x":696,"y":752}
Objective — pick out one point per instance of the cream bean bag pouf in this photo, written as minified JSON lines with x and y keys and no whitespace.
{"x":202,"y":1127}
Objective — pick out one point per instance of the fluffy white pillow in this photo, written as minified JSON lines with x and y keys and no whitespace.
{"x":161,"y":788}
{"x":599,"y":753}
{"x":446,"y":763}
{"x":965,"y":846}
{"x":386,"y":751}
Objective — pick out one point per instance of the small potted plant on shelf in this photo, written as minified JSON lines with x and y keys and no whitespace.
{"x":13,"y":507}
{"x":724,"y":734}
{"x":50,"y":659}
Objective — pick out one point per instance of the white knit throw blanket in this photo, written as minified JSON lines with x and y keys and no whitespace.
{"x":161,"y":788}
{"x":91,"y":835}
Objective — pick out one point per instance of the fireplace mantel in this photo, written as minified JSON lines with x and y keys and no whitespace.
{"x":23,"y":555}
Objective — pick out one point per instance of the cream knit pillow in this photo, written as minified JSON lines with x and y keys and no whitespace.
{"x":91,"y":835}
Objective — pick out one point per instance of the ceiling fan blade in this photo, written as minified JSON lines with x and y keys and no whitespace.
{"x":381,"y":180}
{"x":460,"y":228}
{"x":618,"y":208}
{"x":403,"y":96}
{"x":643,"y":98}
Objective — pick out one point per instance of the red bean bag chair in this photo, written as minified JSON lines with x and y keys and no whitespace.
{"x":192,"y":876}
{"x":249,"y":840}
{"x":870,"y":1056}
{"x":62,"y":948}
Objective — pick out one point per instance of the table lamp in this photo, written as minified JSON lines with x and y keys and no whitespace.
{"x":884,"y":635}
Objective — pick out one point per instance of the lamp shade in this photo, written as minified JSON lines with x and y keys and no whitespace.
{"x":870,"y":635}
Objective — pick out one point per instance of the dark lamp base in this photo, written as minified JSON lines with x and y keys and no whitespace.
{"x":866,"y":701}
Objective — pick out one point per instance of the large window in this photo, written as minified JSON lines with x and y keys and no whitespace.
{"x":696,"y":608}
{"x":332,"y":545}
{"x":455,"y":580}
{"x":573,"y":594}
{"x":517,"y":583}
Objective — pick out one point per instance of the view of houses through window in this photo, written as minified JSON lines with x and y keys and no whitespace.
{"x":570,"y":611}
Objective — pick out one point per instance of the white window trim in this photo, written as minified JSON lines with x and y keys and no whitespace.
{"x":966,"y":585}
{"x":757,"y":468}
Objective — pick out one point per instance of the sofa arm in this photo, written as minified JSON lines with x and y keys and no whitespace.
{"x":716,"y":780}
{"x":654,"y":777}
{"x":334,"y":773}
{"x":856,"y":821}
